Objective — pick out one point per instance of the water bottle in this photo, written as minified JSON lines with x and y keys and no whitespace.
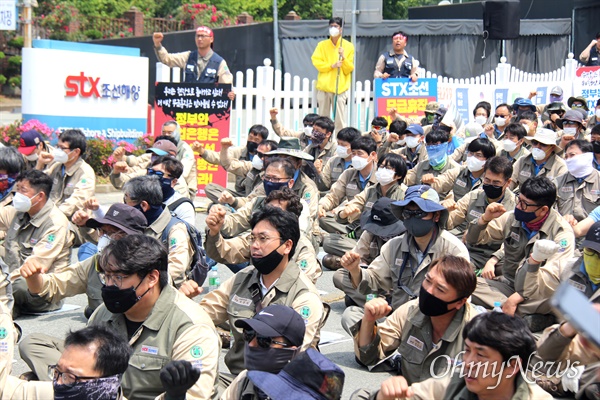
{"x":497,"y":307}
{"x":213,"y":279}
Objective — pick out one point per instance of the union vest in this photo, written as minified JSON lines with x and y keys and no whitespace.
{"x":209,"y":75}
{"x":391,"y":66}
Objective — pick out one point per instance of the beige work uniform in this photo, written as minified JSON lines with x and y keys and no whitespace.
{"x":177,"y":328}
{"x":185,"y":154}
{"x":72,"y":186}
{"x":456,"y":182}
{"x":178,"y":245}
{"x":522,"y":153}
{"x":45,"y":238}
{"x":332,"y":170}
{"x":408,"y":331}
{"x":467,"y":212}
{"x":399,"y":270}
{"x":180,"y":60}
{"x":12,"y":388}
{"x":78,"y":278}
{"x":324,"y":154}
{"x":524,"y":169}
{"x":413,"y":157}
{"x":284,"y":132}
{"x":237,"y":250}
{"x":517,"y":248}
{"x":344,"y":189}
{"x":577,"y":199}
{"x":234,"y":300}
{"x":413,"y":177}
{"x":451,"y":386}
{"x":236,"y":161}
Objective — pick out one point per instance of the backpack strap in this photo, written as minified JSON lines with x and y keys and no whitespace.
{"x":173,"y":206}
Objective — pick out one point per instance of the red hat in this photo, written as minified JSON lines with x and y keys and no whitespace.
{"x":29,"y":141}
{"x":205,"y":29}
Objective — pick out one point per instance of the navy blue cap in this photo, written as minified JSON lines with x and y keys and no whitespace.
{"x":415,"y":129}
{"x":276,"y":320}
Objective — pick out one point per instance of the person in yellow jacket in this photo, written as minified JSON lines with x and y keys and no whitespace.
{"x":334,"y":59}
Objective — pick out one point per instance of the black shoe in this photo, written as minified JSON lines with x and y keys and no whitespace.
{"x":539,"y":322}
{"x":332,"y":262}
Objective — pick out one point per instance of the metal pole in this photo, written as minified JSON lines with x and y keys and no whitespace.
{"x":353,"y":86}
{"x":276,"y":36}
{"x":27,"y":18}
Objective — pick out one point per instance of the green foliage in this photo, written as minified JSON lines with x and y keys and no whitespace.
{"x":307,"y":9}
{"x":93,"y":34}
{"x":2,"y":79}
{"x":10,"y":134}
{"x":17,"y":42}
{"x":15,"y":61}
{"x":2,"y":55}
{"x":15,"y":81}
{"x":197,"y":14}
{"x":398,"y":9}
{"x":98,"y":151}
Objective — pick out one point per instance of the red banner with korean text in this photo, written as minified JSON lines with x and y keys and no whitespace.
{"x":203,"y":113}
{"x":409,"y":99}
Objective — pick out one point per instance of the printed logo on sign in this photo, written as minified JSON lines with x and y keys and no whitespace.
{"x":87,"y":86}
{"x":149,"y":349}
{"x":196,"y":351}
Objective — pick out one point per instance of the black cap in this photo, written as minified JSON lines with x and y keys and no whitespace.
{"x":127,"y":218}
{"x":380,"y":221}
{"x":276,"y":320}
{"x":592,"y":239}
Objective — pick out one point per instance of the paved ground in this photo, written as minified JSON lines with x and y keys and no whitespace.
{"x":341,"y":352}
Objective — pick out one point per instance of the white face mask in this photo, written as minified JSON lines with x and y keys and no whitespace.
{"x":32,"y":157}
{"x":60,"y":156}
{"x":480,"y":119}
{"x":580,"y":165}
{"x":538,"y":154}
{"x":384,"y":176}
{"x":257,"y":162}
{"x":359,"y":163}
{"x":21,"y":203}
{"x":342,"y":151}
{"x":412,"y":141}
{"x":102,"y":243}
{"x":509,"y":145}
{"x":401,"y":142}
{"x":334,"y":32}
{"x":570,"y":131}
{"x":598,"y":113}
{"x":308,"y":130}
{"x":474,"y":164}
{"x":500,"y":121}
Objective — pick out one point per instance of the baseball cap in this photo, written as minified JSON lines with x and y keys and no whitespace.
{"x":206,"y":30}
{"x":163,"y":148}
{"x":127,"y":218}
{"x":523,"y":103}
{"x":29,"y":141}
{"x":425,"y":198}
{"x":310,"y":375}
{"x":276,"y":320}
{"x":415,"y":129}
{"x":556,"y":91}
{"x":592,"y":238}
{"x":380,"y":221}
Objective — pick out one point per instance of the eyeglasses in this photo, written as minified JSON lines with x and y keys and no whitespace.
{"x":63,"y":148}
{"x":419,"y":214}
{"x":117,"y":280}
{"x":152,"y":172}
{"x":68,"y":379}
{"x":570,"y":123}
{"x":263,"y":341}
{"x":500,"y":116}
{"x":523,"y":205}
{"x":275,"y":179}
{"x":261,"y":239}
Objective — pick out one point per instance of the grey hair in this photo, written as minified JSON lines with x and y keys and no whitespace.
{"x":144,"y":188}
{"x":177,"y":131}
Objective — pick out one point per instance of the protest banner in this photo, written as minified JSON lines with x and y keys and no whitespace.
{"x":203,"y":112}
{"x":8,"y":15}
{"x":587,"y":84}
{"x":408,"y":98}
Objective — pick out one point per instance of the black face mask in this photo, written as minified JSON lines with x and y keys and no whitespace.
{"x":167,"y":190}
{"x":267,"y":264}
{"x":596,"y":145}
{"x":431,"y":305}
{"x":418,"y":227}
{"x":118,"y":301}
{"x":268,"y":360}
{"x":270,"y":186}
{"x":251,"y":147}
{"x":492,"y":192}
{"x":97,"y":389}
{"x":524,"y":216}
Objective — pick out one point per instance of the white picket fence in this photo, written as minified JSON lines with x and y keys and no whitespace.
{"x":259,"y":91}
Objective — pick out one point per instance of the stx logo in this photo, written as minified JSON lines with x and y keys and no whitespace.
{"x":76,"y":84}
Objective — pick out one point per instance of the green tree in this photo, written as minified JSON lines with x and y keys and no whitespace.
{"x":398,"y":9}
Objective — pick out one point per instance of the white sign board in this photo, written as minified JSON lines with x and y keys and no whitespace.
{"x":104,"y":95}
{"x":8,"y":15}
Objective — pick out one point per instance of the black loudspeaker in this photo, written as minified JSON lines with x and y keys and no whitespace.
{"x":501,"y":19}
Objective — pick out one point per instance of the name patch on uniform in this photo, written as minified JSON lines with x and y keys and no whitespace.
{"x":566,"y":189}
{"x":250,"y":175}
{"x":515,"y":236}
{"x":475,"y":213}
{"x":149,"y":349}
{"x":337,"y":169}
{"x":351,"y":186}
{"x":3,"y":346}
{"x":416,"y":343}
{"x":526,"y":174}
{"x":70,"y":185}
{"x":16,"y":227}
{"x":595,"y":191}
{"x":399,"y":261}
{"x":577,"y":285}
{"x":461,"y":183}
{"x":33,"y":241}
{"x":369,"y":204}
{"x":241,"y":301}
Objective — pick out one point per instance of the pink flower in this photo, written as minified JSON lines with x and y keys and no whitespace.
{"x":213,"y":18}
{"x":130,"y":29}
{"x":214,"y":9}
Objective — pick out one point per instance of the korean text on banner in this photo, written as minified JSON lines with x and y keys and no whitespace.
{"x":203,"y":113}
{"x":408,"y":98}
{"x":8,"y":15}
{"x":587,"y":84}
